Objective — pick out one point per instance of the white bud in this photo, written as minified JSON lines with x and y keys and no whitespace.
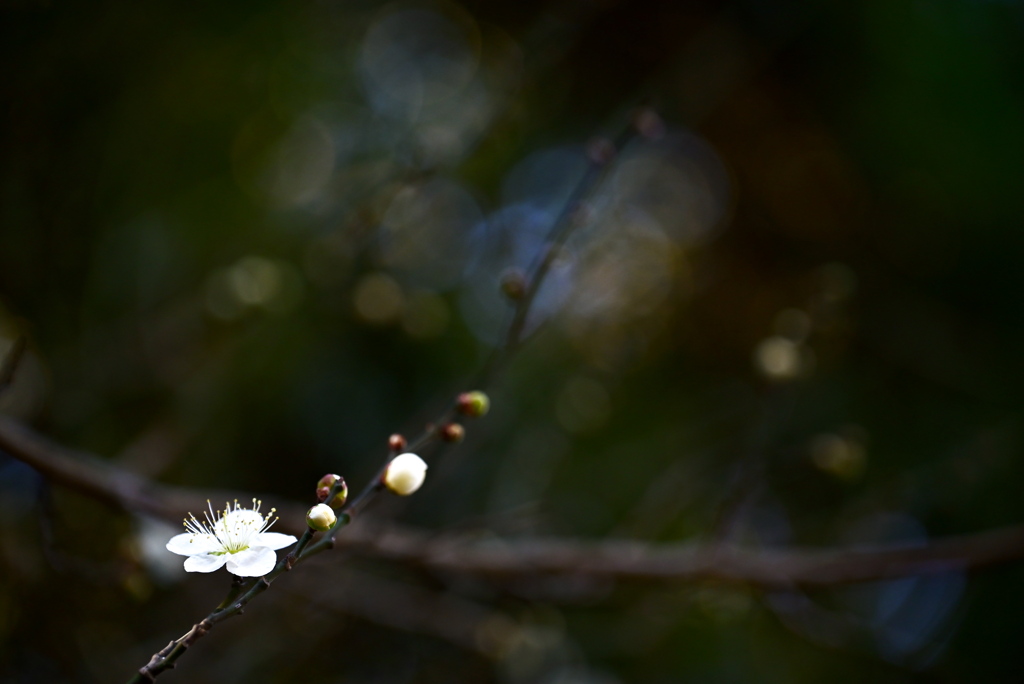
{"x":321,"y":517}
{"x":405,"y":474}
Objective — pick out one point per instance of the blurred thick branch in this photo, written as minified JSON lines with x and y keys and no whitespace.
{"x":633,"y":560}
{"x":91,"y":476}
{"x":515,"y":559}
{"x":10,"y":360}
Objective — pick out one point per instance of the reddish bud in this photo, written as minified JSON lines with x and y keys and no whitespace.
{"x":513,"y":284}
{"x":328,"y":480}
{"x":324,"y":486}
{"x":453,"y":432}
{"x":396,"y":442}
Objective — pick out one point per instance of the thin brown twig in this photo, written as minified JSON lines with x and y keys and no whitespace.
{"x":599,"y":154}
{"x":238,"y":597}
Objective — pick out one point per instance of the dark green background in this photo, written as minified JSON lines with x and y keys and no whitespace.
{"x":872,"y":160}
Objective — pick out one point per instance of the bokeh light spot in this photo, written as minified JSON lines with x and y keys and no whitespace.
{"x":412,"y":59}
{"x":779,"y":358}
{"x":378,"y":299}
{"x":252,"y":282}
{"x":841,"y":456}
{"x":302,"y":164}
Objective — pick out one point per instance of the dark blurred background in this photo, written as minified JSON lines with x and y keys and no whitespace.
{"x":248,"y":240}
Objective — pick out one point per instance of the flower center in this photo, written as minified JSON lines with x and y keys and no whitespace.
{"x":234,"y":527}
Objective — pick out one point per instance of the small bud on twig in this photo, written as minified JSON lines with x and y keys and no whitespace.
{"x":474,"y":404}
{"x":321,"y":517}
{"x":513,"y":284}
{"x":453,"y":432}
{"x":339,"y":499}
{"x":328,"y":480}
{"x":396,"y":442}
{"x":405,"y":474}
{"x":323,"y":490}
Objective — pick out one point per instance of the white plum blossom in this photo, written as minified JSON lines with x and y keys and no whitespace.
{"x":405,"y":474}
{"x":236,"y":537}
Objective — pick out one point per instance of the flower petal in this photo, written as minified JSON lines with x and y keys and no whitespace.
{"x":273,"y":540}
{"x":189,"y":544}
{"x":255,"y":561}
{"x":204,"y":563}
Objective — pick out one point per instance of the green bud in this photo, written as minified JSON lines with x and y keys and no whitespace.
{"x":339,"y":499}
{"x":474,"y":404}
{"x":321,"y":517}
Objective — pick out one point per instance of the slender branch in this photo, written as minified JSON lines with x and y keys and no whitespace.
{"x":599,"y":153}
{"x":237,"y":586}
{"x":234,"y":603}
{"x":166,"y":658}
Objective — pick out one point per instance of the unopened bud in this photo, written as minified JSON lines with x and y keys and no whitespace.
{"x":327,"y":480}
{"x":474,"y":404}
{"x":405,"y":474}
{"x":339,"y":499}
{"x":396,"y":442}
{"x":321,"y":517}
{"x":324,"y":486}
{"x":453,"y":432}
{"x":513,"y":284}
